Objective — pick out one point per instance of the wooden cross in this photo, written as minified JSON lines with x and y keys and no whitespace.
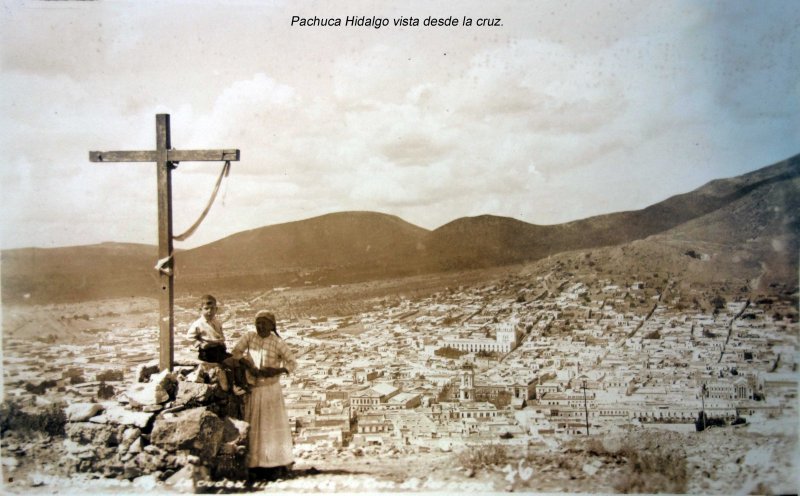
{"x":165,"y":158}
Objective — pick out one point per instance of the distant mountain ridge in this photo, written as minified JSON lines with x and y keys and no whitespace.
{"x":78,"y":273}
{"x":356,"y":246}
{"x":476,"y":237}
{"x":333,"y":248}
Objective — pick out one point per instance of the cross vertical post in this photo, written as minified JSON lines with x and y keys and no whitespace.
{"x":166,"y":298}
{"x":165,"y":159}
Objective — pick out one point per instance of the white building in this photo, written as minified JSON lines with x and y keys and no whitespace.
{"x":505,"y":340}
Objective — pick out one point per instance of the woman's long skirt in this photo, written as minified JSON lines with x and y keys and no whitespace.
{"x":270,"y":440}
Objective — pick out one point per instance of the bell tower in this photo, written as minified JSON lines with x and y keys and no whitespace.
{"x":467,"y":389}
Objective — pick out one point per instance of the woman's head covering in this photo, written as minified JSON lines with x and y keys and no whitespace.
{"x":263,"y":314}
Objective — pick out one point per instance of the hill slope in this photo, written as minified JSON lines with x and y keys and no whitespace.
{"x":78,"y":273}
{"x":333,"y":248}
{"x":753,"y":215}
{"x":754,"y":238}
{"x":748,"y":246}
{"x":488,"y":240}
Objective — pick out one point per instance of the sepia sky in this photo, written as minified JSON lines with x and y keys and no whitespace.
{"x":568,"y":110}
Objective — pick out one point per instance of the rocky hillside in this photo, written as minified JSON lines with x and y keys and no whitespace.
{"x":741,"y":202}
{"x":753,"y":459}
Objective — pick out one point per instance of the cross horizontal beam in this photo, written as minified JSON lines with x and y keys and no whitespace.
{"x":172,"y":156}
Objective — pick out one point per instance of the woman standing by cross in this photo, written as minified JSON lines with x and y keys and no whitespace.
{"x":266,"y":356}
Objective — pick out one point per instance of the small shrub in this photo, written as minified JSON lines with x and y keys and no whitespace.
{"x":10,"y":413}
{"x":105,"y":391}
{"x":652,"y":468}
{"x":483,"y":457}
{"x":594,"y":446}
{"x":40,"y":388}
{"x":110,"y":375}
{"x":50,"y":420}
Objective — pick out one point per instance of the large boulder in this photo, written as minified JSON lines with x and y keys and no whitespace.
{"x":119,"y":415}
{"x":81,"y":412}
{"x":235,"y":432}
{"x":153,"y":459}
{"x":77,"y":450}
{"x":231,"y":460}
{"x":193,"y":393}
{"x":96,"y":434}
{"x":129,"y":437}
{"x":197,"y":430}
{"x":145,"y":370}
{"x":155,"y":392}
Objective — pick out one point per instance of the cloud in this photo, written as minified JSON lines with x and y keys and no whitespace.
{"x":413,"y":148}
{"x":536,"y":120}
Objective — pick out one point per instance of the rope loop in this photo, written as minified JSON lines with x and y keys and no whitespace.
{"x":226,"y":168}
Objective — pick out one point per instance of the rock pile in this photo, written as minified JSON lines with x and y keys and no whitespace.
{"x":164,"y":425}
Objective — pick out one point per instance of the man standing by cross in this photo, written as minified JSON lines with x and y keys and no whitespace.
{"x":166,"y":159}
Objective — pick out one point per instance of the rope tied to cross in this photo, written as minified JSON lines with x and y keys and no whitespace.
{"x":226,"y":168}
